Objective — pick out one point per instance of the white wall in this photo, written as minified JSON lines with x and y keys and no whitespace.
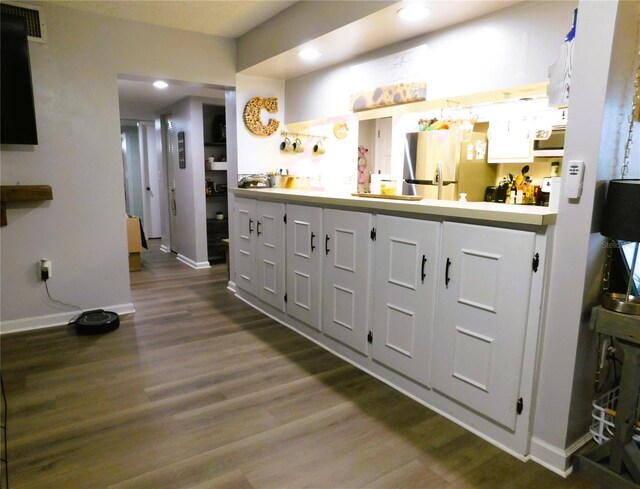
{"x":333,"y":170}
{"x":191,"y":205}
{"x":600,"y":94}
{"x":185,"y":222}
{"x":76,"y":99}
{"x":257,"y":154}
{"x":509,"y":48}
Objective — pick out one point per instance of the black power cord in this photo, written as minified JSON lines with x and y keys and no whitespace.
{"x":46,"y":286}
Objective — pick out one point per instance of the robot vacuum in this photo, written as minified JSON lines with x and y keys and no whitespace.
{"x":96,"y":322}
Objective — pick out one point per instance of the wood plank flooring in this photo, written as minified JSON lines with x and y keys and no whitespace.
{"x":198,"y":390}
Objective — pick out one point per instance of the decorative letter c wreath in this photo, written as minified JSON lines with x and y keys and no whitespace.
{"x":251,"y":115}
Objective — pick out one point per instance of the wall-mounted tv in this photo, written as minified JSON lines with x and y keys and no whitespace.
{"x":17,"y":106}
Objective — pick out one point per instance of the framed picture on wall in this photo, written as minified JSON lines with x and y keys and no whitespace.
{"x":182,"y":160}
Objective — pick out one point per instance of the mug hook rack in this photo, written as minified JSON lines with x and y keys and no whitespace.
{"x":285,"y":134}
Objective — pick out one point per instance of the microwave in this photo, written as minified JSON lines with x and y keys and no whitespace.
{"x":551,"y":146}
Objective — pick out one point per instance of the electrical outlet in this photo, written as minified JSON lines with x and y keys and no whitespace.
{"x":45,"y":269}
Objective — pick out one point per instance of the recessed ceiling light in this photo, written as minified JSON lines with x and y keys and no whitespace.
{"x":413,"y":12}
{"x":160,"y":84}
{"x":309,"y":54}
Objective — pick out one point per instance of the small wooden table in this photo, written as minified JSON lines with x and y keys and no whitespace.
{"x":621,"y":450}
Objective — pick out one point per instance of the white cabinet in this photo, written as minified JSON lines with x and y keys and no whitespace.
{"x":346,"y":277}
{"x":404,"y":294}
{"x":270,"y":232}
{"x":304,"y":264}
{"x":260,"y":234}
{"x":246,"y":244}
{"x":484,"y":288}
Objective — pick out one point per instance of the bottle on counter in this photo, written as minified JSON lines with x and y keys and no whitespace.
{"x":529,"y":190}
{"x":537,"y":195}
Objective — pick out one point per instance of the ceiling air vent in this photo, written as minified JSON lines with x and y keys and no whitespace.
{"x":32,"y":16}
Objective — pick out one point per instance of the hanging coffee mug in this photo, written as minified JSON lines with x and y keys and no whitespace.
{"x":297,"y":146}
{"x":286,"y":145}
{"x":318,"y":148}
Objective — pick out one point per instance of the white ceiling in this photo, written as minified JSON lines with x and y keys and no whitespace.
{"x":140,"y":99}
{"x":230,"y":18}
{"x":234,"y":18}
{"x":379,"y":29}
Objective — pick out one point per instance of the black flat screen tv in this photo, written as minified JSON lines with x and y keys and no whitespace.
{"x":17,"y":107}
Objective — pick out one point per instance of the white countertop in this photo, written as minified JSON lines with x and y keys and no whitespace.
{"x":484,"y":211}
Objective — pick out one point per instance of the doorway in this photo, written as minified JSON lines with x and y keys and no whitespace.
{"x":187,"y":210}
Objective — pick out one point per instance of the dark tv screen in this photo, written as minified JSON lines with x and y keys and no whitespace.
{"x":17,"y":107}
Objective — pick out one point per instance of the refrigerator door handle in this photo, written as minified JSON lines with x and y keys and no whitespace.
{"x":428,"y":182}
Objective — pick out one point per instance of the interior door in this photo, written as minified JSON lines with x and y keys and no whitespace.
{"x":125,"y":172}
{"x":346,"y":277}
{"x":304,"y":272}
{"x":150,"y":180}
{"x":245,"y":241}
{"x":482,"y":317}
{"x":404,"y":294}
{"x":270,"y":233}
{"x":168,"y":152}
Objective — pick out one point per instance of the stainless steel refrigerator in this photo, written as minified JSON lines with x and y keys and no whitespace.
{"x":447,"y":162}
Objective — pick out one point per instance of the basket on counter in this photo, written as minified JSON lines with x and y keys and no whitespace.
{"x":604,"y":413}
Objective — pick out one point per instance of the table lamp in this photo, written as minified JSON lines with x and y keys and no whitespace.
{"x":621,"y":221}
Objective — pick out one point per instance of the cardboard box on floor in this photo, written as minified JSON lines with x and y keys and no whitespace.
{"x":134,"y":240}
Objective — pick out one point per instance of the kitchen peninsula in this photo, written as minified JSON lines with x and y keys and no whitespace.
{"x":440,"y":299}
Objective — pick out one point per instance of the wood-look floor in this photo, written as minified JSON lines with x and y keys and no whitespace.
{"x":198,"y":390}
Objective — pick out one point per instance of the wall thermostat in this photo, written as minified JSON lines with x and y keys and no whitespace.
{"x":574,"y":178}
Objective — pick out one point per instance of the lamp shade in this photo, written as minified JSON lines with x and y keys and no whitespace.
{"x":621,"y":217}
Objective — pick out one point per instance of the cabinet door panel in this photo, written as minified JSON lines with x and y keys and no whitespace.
{"x":346,"y":277}
{"x":482,"y":318}
{"x":404,"y":302}
{"x":270,"y":231}
{"x":304,"y":273}
{"x":245,"y":244}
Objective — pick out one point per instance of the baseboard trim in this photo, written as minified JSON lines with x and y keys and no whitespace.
{"x":556,"y":459}
{"x":58,"y":319}
{"x":231,"y":286}
{"x":198,"y":265}
{"x":165,"y":249}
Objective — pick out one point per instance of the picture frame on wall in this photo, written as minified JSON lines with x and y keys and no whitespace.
{"x":182,"y":160}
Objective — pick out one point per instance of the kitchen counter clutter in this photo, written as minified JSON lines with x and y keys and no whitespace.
{"x":481,"y":211}
{"x":440,"y":300}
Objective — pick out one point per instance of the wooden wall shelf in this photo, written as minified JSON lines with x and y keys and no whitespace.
{"x":22,"y":193}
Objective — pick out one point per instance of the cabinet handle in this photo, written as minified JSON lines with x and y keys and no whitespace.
{"x":258,"y":228}
{"x":312,"y":245}
{"x":424,"y":262}
{"x":326,"y":244}
{"x":446,"y":274}
{"x":250,"y":228}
